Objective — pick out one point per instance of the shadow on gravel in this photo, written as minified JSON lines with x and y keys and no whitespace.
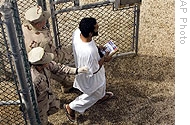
{"x":144,"y":93}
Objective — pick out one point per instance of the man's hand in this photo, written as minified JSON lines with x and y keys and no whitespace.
{"x":101,"y":47}
{"x":106,"y":57}
{"x":83,"y":69}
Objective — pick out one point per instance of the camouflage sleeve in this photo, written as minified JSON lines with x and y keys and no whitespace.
{"x":58,"y":68}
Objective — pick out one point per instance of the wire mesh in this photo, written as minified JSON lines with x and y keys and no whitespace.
{"x":9,"y":100}
{"x":10,"y":104}
{"x":117,"y":25}
{"x":24,"y":5}
{"x":11,"y":115}
{"x":30,"y":87}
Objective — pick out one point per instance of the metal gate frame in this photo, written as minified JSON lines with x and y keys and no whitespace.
{"x":17,"y":56}
{"x":77,"y":7}
{"x":18,"y":60}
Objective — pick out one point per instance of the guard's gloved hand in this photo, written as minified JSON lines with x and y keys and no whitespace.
{"x":83,"y":69}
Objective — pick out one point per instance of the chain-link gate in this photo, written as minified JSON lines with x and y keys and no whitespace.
{"x":17,"y":97}
{"x":115,"y":23}
{"x":9,"y":99}
{"x":117,"y":20}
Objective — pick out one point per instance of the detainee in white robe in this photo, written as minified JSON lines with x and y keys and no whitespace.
{"x":92,"y":85}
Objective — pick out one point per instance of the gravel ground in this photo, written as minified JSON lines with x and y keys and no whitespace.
{"x":144,"y":85}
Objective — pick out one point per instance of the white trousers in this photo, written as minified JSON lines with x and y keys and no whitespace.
{"x":85,"y":101}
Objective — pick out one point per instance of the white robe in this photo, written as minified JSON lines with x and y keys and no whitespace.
{"x":92,"y":85}
{"x":86,"y":54}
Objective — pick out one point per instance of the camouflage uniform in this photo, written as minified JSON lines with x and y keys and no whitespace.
{"x":43,"y":38}
{"x":48,"y":104}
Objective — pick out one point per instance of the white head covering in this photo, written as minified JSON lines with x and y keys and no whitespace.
{"x":36,"y":14}
{"x":38,"y":56}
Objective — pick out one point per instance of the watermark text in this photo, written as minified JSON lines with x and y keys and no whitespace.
{"x":183,"y":22}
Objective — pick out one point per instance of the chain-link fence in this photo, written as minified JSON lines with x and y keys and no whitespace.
{"x":118,"y":24}
{"x":9,"y":99}
{"x":16,"y":93}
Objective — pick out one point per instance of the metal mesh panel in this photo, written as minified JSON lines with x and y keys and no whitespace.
{"x":10,"y":106}
{"x":11,"y":115}
{"x":117,"y":25}
{"x":9,"y":100}
{"x":32,"y":110}
{"x":24,"y":5}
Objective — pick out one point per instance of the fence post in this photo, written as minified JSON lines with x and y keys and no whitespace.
{"x":54,"y":24}
{"x":137,"y":16}
{"x":18,"y":61}
{"x":42,"y":3}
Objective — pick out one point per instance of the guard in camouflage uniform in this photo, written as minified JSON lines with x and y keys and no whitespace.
{"x":42,"y":67}
{"x":37,"y":34}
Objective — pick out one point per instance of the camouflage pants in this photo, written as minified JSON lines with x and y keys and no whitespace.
{"x":48,"y":106}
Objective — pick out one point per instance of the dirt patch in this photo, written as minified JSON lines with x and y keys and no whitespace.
{"x":144,"y":85}
{"x":144,"y":94}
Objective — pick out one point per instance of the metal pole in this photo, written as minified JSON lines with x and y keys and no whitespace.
{"x":25,"y":58}
{"x":137,"y":11}
{"x":42,"y":3}
{"x":54,"y":24}
{"x":86,"y":6}
{"x":12,"y":39}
